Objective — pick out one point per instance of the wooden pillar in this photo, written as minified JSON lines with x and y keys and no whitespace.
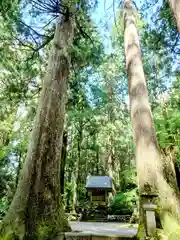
{"x":90,"y":195}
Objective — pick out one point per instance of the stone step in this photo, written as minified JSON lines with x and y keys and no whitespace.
{"x":96,"y":217}
{"x":93,"y":236}
{"x":97,"y":220}
{"x":102,"y":230}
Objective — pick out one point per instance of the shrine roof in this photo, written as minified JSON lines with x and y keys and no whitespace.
{"x":104,"y":182}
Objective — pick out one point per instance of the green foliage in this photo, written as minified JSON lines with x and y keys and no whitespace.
{"x":162,"y":27}
{"x":44,"y":231}
{"x":167,"y":122}
{"x":124,"y":203}
{"x":4,"y":204}
{"x":129,"y":181}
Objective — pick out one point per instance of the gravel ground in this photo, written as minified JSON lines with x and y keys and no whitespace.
{"x":104,"y":228}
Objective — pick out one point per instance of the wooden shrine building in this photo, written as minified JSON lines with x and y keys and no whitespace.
{"x":98,"y":188}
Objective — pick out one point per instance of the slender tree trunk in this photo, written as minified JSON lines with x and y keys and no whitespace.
{"x":74,"y":191}
{"x":148,"y":160}
{"x":76,"y":168}
{"x":87,"y":155}
{"x":177,"y":170}
{"x":110,"y":163}
{"x":37,"y":207}
{"x":96,"y":156}
{"x":97,"y":159}
{"x":175,"y":7}
{"x":69,"y":173}
{"x":63,"y":161}
{"x":18,"y":168}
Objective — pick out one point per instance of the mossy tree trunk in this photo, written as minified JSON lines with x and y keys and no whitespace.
{"x":150,"y":165}
{"x":36,"y":207}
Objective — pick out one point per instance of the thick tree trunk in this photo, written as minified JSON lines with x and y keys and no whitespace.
{"x":175,"y":6}
{"x":36,"y":207}
{"x":148,"y":160}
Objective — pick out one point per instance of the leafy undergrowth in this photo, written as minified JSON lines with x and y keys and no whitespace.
{"x":124,"y":203}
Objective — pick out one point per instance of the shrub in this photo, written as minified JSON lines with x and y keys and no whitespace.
{"x":124,"y":203}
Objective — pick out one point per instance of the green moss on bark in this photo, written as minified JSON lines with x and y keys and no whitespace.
{"x":141,"y":232}
{"x":44,"y":230}
{"x":170,"y":225}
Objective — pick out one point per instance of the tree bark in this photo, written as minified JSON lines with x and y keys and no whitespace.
{"x":19,"y":167}
{"x":177,"y":170}
{"x":110,"y":144}
{"x":148,"y":160}
{"x":63,"y":162}
{"x":36,"y":207}
{"x":76,"y":167}
{"x":175,"y":7}
{"x":97,"y":158}
{"x":110,"y":165}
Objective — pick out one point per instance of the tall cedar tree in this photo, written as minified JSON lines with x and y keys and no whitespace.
{"x":36,"y":206}
{"x":150,"y":166}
